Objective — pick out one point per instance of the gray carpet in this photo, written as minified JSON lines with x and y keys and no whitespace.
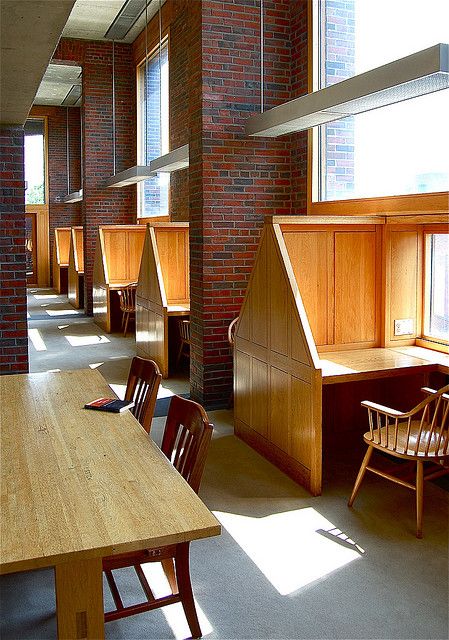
{"x":286,"y":565}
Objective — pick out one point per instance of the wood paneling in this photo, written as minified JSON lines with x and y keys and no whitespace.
{"x":61,"y":253}
{"x":404,"y":285}
{"x":273,"y":364}
{"x":355,"y":287}
{"x":117,"y":259}
{"x":311,"y":261}
{"x":75,"y":289}
{"x":163,"y":282}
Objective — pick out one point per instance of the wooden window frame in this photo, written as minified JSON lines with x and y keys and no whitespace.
{"x":431,"y":342}
{"x":155,"y":49}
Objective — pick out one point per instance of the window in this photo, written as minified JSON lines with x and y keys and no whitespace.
{"x":436,"y":315}
{"x":35,"y":161}
{"x":396,"y":150}
{"x":153,"y":131}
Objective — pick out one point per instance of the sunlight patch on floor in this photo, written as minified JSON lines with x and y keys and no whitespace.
{"x":44,"y":296}
{"x":84,"y":341}
{"x":62,"y":312}
{"x":37,"y":340}
{"x":173,"y":613}
{"x":118,"y":389}
{"x":163,"y":392}
{"x":291,"y":549}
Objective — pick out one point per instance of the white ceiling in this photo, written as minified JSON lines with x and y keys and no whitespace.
{"x":89,"y":20}
{"x":30,"y":32}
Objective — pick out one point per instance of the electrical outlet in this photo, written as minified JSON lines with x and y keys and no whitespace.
{"x":404,"y":327}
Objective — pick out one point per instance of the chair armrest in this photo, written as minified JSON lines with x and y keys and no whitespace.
{"x":429,"y":391}
{"x":381,"y":409}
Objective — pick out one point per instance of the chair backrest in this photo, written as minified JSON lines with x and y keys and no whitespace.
{"x":184,"y":329}
{"x":423,"y":431}
{"x":143,"y":383}
{"x":128,"y":298}
{"x":186,"y":439}
{"x":231,"y":331}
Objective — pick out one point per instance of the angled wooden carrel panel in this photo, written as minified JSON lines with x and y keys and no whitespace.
{"x":118,"y":253}
{"x":60,"y":259}
{"x":277,"y":382}
{"x":163,"y":289}
{"x":76,"y":268}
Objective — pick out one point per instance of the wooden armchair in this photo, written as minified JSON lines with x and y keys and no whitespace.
{"x":128,"y":304}
{"x":185,"y":442}
{"x":420,"y":435}
{"x":184,"y":336}
{"x":143,"y":383}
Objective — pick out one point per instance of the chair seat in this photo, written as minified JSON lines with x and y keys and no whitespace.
{"x":413,"y":445}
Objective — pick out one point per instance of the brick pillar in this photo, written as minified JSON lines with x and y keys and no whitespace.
{"x":102,"y":205}
{"x":233,"y":180}
{"x":13,"y":303}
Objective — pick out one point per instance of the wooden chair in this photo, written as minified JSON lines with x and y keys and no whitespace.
{"x":231,"y":331}
{"x":231,"y":339}
{"x":184,"y":336}
{"x":420,"y":435}
{"x":185,"y":442}
{"x":128,"y":304}
{"x":143,"y":384}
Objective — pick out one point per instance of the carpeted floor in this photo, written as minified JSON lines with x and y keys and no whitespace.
{"x":287,"y":565}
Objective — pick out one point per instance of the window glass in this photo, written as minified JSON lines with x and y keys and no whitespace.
{"x":35,"y":161}
{"x":396,"y":150}
{"x":437,"y":316}
{"x":153,"y":130}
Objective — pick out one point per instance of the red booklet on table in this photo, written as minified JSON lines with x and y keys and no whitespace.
{"x":109,"y":404}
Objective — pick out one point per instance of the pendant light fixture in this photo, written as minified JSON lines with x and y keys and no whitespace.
{"x":75,"y":196}
{"x":178,"y":158}
{"x":415,"y":75}
{"x":136,"y":173}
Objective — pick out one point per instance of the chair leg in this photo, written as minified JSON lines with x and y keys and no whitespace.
{"x":360,"y":476}
{"x":178,"y":359}
{"x":185,"y":588}
{"x":169,"y":570}
{"x":419,"y":497}
{"x":126,"y":317}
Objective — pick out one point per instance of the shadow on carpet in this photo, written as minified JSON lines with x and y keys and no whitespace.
{"x":162,"y":404}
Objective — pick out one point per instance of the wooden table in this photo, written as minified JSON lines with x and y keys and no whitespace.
{"x":79,"y":485}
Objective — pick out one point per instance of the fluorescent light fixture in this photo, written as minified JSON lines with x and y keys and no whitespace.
{"x":129,"y":176}
{"x":75,"y":196}
{"x":126,"y":19}
{"x":415,"y":75}
{"x":174,"y":161}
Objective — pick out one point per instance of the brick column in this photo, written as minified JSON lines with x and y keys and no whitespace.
{"x":233,"y":180}
{"x":100,"y":204}
{"x":13,"y":303}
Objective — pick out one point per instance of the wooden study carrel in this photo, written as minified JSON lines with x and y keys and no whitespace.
{"x":163,"y":291}
{"x":320,"y":313}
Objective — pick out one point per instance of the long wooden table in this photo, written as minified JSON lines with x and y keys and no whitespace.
{"x":78,"y":485}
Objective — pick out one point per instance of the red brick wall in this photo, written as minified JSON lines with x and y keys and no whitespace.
{"x":100,"y":204}
{"x":234,"y":180}
{"x":13,"y":317}
{"x":62,"y":214}
{"x":179,"y":106}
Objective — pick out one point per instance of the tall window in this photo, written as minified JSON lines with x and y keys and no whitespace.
{"x":436,"y":315}
{"x":35,"y":161}
{"x":396,"y":150}
{"x":153,"y":134}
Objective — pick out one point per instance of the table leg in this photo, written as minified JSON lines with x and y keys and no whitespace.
{"x":79,"y":600}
